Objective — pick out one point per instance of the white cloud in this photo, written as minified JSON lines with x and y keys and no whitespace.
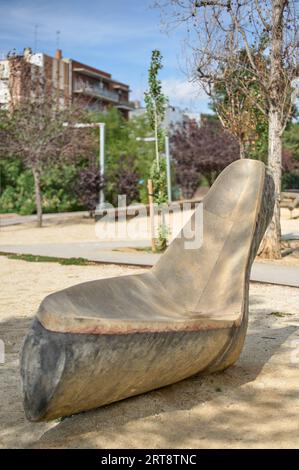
{"x":183,"y":93}
{"x":180,"y":92}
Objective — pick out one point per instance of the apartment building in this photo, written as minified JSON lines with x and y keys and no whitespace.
{"x":174,"y":115}
{"x":71,"y":80}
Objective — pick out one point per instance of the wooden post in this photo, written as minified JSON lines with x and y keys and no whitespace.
{"x":151,"y":213}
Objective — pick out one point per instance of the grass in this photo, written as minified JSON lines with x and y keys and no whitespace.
{"x":48,"y":259}
{"x":142,"y":249}
{"x":280,"y":314}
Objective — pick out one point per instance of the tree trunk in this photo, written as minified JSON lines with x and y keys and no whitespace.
{"x":38,"y":196}
{"x":242,"y":148}
{"x":271,"y":243}
{"x":157,"y":140}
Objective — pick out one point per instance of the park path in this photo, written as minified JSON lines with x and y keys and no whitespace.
{"x":106,"y":252}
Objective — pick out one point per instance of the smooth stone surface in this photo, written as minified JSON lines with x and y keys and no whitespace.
{"x":99,"y":342}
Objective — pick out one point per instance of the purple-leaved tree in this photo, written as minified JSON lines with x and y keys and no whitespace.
{"x":204,"y":149}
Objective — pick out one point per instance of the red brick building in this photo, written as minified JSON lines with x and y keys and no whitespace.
{"x":72,"y":80}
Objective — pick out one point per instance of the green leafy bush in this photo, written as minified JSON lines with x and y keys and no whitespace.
{"x":58,"y":188}
{"x":17,"y":194}
{"x":290,"y":181}
{"x":59,"y":182}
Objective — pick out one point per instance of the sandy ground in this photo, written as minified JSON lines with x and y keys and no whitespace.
{"x":83,"y":229}
{"x":255,"y":403}
{"x":73,"y":230}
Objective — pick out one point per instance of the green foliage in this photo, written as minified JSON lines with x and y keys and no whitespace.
{"x":48,"y":259}
{"x":121,"y":139}
{"x":290,"y":177}
{"x":17,"y":188}
{"x":291,"y":139}
{"x":155,"y":100}
{"x":290,"y":180}
{"x":258,"y":148}
{"x":158,"y":175}
{"x":238,"y":101}
{"x":59,"y":182}
{"x":162,"y":240}
{"x":235,"y":98}
{"x":9,"y":171}
{"x":156,"y":103}
{"x":58,"y":188}
{"x":280,"y":314}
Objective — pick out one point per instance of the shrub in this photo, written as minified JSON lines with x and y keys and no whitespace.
{"x":17,"y":188}
{"x":127,"y":179}
{"x":88,"y":187}
{"x":290,"y":181}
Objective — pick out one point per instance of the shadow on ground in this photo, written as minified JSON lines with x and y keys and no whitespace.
{"x":249,"y":405}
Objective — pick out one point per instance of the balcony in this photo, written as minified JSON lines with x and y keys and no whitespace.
{"x":125,"y":105}
{"x":96,"y":91}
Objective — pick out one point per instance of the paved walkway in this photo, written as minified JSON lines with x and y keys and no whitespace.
{"x":102,"y":252}
{"x":15,"y":219}
{"x":271,"y":273}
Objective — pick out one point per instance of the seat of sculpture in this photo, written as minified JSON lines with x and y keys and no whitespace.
{"x":139,"y":304}
{"x":152,"y":301}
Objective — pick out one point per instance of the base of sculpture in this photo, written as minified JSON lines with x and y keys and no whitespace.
{"x":81,"y":372}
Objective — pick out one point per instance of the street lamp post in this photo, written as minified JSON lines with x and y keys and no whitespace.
{"x":102,"y":160}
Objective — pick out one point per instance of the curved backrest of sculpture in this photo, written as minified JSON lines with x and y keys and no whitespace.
{"x":208,"y":278}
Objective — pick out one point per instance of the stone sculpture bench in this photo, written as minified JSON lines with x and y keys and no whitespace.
{"x":103,"y":341}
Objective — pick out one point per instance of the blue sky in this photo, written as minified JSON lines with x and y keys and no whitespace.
{"x":114,"y":35}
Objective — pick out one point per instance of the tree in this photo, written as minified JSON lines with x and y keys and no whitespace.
{"x":236,"y":109}
{"x":124,"y":137}
{"x":159,"y":178}
{"x":264,"y":29}
{"x":185,"y":156}
{"x":155,"y":101}
{"x":57,"y":186}
{"x":201,"y":150}
{"x":88,"y":187}
{"x":34,"y":129}
{"x":127,"y":178}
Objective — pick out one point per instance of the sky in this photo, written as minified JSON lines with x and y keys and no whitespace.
{"x":116,"y":36}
